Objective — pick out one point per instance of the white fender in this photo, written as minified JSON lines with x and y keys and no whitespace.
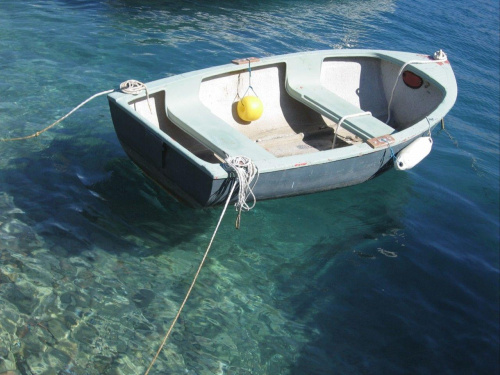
{"x":413,"y":154}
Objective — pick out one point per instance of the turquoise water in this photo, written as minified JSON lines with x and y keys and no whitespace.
{"x":399,"y":275}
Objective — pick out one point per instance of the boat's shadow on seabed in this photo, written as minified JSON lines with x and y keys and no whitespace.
{"x":80,"y":200}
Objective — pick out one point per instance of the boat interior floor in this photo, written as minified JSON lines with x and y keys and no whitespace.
{"x":284,"y":141}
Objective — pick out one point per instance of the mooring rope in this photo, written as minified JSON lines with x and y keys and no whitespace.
{"x":245,"y":171}
{"x":129,"y":87}
{"x":192,"y":284}
{"x":58,"y":121}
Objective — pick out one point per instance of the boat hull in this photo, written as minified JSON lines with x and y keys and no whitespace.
{"x":184,"y":176}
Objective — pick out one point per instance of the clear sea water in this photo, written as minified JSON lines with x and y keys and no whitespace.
{"x":399,"y":275}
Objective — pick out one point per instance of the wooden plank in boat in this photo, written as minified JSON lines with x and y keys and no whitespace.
{"x":245,"y":60}
{"x":382,"y":141}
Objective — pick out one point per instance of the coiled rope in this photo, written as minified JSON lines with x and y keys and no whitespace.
{"x":135,"y":87}
{"x":129,"y":87}
{"x":245,"y":171}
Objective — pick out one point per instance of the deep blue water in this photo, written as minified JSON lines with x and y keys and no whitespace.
{"x":399,"y":275}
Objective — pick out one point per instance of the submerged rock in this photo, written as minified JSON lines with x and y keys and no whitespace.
{"x":24,"y":300}
{"x":57,"y":329}
{"x":143,"y":298}
{"x":86,"y":333}
{"x":7,"y":363}
{"x":70,"y":320}
{"x":5,"y":279}
{"x":10,"y":372}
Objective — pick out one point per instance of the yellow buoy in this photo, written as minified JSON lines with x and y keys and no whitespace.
{"x":250,"y":108}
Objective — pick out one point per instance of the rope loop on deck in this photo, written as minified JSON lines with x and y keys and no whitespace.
{"x":247,"y":175}
{"x":134,"y":87}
